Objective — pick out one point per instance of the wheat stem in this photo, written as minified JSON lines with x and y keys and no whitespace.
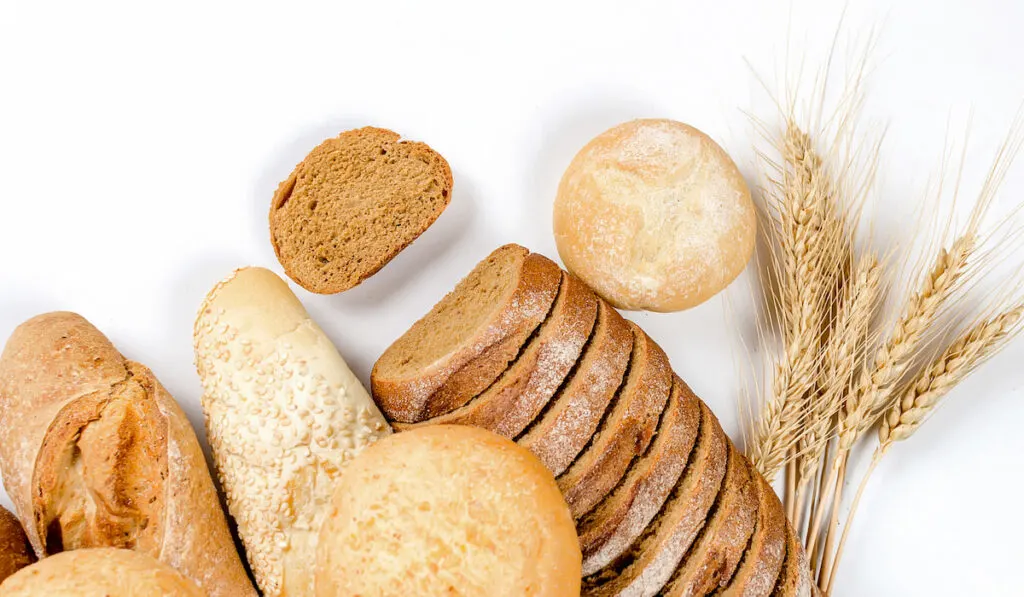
{"x":830,"y":571}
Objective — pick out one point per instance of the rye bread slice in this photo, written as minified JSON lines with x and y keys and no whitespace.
{"x":568,"y":423}
{"x":468,"y":339}
{"x":626,"y":429}
{"x":714,"y":557}
{"x":795,"y":578}
{"x":508,"y":405}
{"x":353,"y":204}
{"x":763,"y":559}
{"x":615,"y":524}
{"x":645,"y":568}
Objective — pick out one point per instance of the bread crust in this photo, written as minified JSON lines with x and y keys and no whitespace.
{"x":56,"y":369}
{"x":763,"y":559}
{"x":15,"y":551}
{"x":795,"y":577}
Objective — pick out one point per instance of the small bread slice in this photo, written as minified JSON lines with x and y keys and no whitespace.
{"x":795,"y":578}
{"x":714,"y":557}
{"x":568,"y":424}
{"x":468,"y":339}
{"x":528,"y":384}
{"x":611,"y":528}
{"x":762,"y":562}
{"x":353,"y":204}
{"x":625,"y":431}
{"x":648,"y":565}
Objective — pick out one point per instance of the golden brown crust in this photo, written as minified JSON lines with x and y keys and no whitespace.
{"x":794,"y":579}
{"x":15,"y":552}
{"x":763,"y":559}
{"x":80,"y":424}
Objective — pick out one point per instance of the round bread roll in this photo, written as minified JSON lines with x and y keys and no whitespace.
{"x":448,"y":510}
{"x":654,"y":215}
{"x":105,"y":571}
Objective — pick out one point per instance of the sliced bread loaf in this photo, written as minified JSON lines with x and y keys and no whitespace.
{"x":353,"y":204}
{"x":626,"y":429}
{"x":795,"y":578}
{"x":614,"y":524}
{"x":522,"y":391}
{"x":468,"y":339}
{"x":567,"y":425}
{"x":762,"y":561}
{"x":648,"y":565}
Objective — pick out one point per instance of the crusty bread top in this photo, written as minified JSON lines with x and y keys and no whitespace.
{"x":99,"y":571}
{"x":353,"y":204}
{"x":763,"y":559}
{"x":795,"y":577}
{"x":448,"y":510}
{"x":15,"y":552}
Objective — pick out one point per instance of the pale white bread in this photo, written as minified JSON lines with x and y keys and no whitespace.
{"x":95,"y":453}
{"x":528,"y":385}
{"x":284,"y":414}
{"x":448,"y":510}
{"x":645,"y":568}
{"x":654,"y":215}
{"x":625,"y":431}
{"x":762,"y":562}
{"x":563,"y":429}
{"x":615,"y":524}
{"x":99,"y":572}
{"x":468,"y":339}
{"x":795,"y":578}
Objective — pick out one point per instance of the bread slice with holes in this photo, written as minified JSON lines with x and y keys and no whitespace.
{"x":566,"y":426}
{"x":468,"y":339}
{"x":353,"y":204}
{"x":763,"y":559}
{"x":625,"y":431}
{"x":523,"y":390}
{"x":616,"y":523}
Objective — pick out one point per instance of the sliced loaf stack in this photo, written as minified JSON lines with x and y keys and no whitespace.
{"x":664,"y":503}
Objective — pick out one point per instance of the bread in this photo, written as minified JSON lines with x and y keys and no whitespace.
{"x":763,"y":559}
{"x":616,"y":523}
{"x":96,"y":572}
{"x":284,"y":414}
{"x":648,"y":565}
{"x":468,"y":339}
{"x":15,"y":552}
{"x":526,"y":387}
{"x":654,"y":215}
{"x":353,"y":204}
{"x":626,"y":430}
{"x":95,"y":453}
{"x":566,"y":427}
{"x":715,"y":555}
{"x":448,"y":510}
{"x":795,"y":578}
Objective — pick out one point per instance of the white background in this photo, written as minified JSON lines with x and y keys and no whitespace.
{"x":140,"y":146}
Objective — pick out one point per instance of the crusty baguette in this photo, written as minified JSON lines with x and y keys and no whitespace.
{"x":612,"y":527}
{"x":468,"y":339}
{"x":763,"y":559}
{"x":523,"y":390}
{"x":648,"y":565}
{"x":94,"y":452}
{"x":284,"y":414}
{"x":15,"y":551}
{"x":353,"y":204}
{"x":626,"y":430}
{"x":712,"y":560}
{"x":567,"y":425}
{"x":795,"y":578}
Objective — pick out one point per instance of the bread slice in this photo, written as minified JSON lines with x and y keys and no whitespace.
{"x":763,"y":559}
{"x":610,"y":528}
{"x":568,"y":424}
{"x":353,"y":204}
{"x":529,"y":383}
{"x":468,"y":339}
{"x":712,"y":561}
{"x":625,"y":431}
{"x":795,"y":578}
{"x":647,"y":566}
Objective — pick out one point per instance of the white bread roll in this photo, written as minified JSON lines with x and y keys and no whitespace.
{"x":284,"y":413}
{"x":99,"y":572}
{"x":448,"y":510}
{"x":654,"y":215}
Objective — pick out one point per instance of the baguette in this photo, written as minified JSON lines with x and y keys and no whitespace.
{"x":763,"y":560}
{"x":95,"y":453}
{"x":15,"y":552}
{"x":284,"y":414}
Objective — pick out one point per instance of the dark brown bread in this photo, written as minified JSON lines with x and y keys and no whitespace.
{"x":353,"y":204}
{"x":625,"y":431}
{"x":763,"y":559}
{"x":568,"y":424}
{"x":616,"y":523}
{"x":468,"y":339}
{"x":15,"y":552}
{"x":522,"y":391}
